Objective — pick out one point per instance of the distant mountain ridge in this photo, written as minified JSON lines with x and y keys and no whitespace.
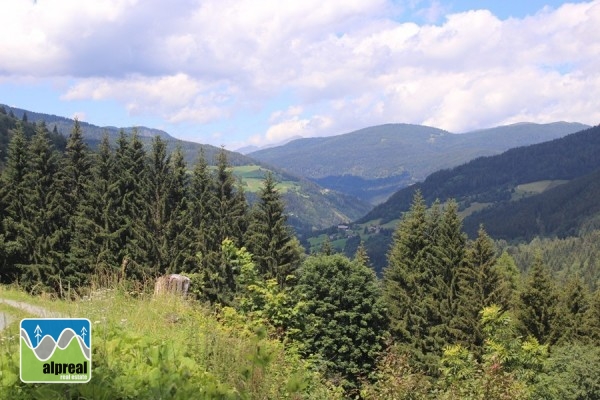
{"x":493,"y":182}
{"x":372,"y":163}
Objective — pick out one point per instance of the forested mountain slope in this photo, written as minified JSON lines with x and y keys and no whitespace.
{"x":495,"y":179}
{"x":374,"y":162}
{"x":561,"y":211}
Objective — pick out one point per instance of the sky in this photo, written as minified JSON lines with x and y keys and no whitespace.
{"x":251,"y":72}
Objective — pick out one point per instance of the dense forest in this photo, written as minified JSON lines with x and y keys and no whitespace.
{"x":451,"y":318}
{"x":493,"y":179}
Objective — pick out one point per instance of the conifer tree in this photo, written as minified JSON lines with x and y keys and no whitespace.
{"x":160,"y":181}
{"x":447,"y":250}
{"x":45,"y":214}
{"x":361,"y":256}
{"x":202,"y":212}
{"x":573,"y":302}
{"x":404,"y":280}
{"x":179,"y":231}
{"x":13,"y":203}
{"x":231,"y":204}
{"x":77,"y":167}
{"x":94,"y":242}
{"x":537,"y":302}
{"x":509,"y":277}
{"x":591,"y":324}
{"x":131,"y":181}
{"x":74,"y":181}
{"x":269,"y":238}
{"x":229,"y":221}
{"x":326,"y":247}
{"x":479,"y":286}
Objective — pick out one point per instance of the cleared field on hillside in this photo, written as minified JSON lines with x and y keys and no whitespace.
{"x":252,"y":177}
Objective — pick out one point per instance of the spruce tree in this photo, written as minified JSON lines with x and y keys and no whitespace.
{"x":573,"y":303}
{"x":179,"y":231}
{"x":326,"y":247}
{"x":13,"y":204}
{"x":77,"y":168}
{"x":159,"y":186}
{"x":44,"y":212}
{"x":404,"y":280}
{"x":447,"y":250}
{"x":94,"y":247}
{"x":74,"y":180}
{"x":478,"y":287}
{"x":270,"y":240}
{"x":361,"y":256}
{"x":537,"y":302}
{"x":131,"y":181}
{"x":510,"y":277}
{"x":229,"y":221}
{"x":202,"y":216}
{"x":591,"y":324}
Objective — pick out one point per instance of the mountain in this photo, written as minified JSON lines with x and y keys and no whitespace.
{"x":547,"y":189}
{"x":374,"y":162}
{"x":309,"y":206}
{"x":495,"y":179}
{"x":568,"y":209}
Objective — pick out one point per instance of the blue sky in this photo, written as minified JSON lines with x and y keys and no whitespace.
{"x":247,"y":72}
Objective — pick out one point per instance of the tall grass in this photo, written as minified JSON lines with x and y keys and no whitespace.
{"x":166,"y":347}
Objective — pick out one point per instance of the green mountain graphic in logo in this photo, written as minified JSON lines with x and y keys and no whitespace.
{"x":56,"y":350}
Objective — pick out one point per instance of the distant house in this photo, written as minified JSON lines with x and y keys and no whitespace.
{"x":343,"y":227}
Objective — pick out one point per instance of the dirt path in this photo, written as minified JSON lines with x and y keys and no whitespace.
{"x":6,"y":318}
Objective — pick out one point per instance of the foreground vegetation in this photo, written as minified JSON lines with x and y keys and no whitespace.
{"x":187,"y":351}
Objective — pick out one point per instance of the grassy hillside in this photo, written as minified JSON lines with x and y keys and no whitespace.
{"x":373,"y":163}
{"x":186,"y":352}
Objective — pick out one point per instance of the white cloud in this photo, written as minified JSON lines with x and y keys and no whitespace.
{"x":343,"y":65}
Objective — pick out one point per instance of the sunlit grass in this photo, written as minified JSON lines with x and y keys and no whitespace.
{"x":135,"y":334}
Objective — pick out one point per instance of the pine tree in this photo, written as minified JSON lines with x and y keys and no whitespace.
{"x":537,"y":302}
{"x":13,"y":203}
{"x":269,"y":238}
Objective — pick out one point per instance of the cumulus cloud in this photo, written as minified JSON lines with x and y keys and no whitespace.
{"x":344,"y":65}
